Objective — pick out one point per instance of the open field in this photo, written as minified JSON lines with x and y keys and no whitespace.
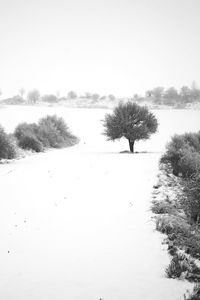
{"x":75,"y":223}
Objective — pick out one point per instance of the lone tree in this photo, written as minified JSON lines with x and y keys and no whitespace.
{"x":132,"y":121}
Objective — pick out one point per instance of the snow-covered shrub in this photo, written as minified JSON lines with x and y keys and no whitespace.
{"x":180,"y":234}
{"x":172,"y":155}
{"x":161,"y":207}
{"x":182,"y":266}
{"x":30,"y":142}
{"x":26,"y":135}
{"x":25,"y":129}
{"x":191,"y":202}
{"x":54,"y":132}
{"x":192,"y":245}
{"x":189,"y":163}
{"x":170,"y":224}
{"x":51,"y":131}
{"x":8,"y":147}
{"x":195,"y":295}
{"x":48,"y":134}
{"x":183,"y":154}
{"x":193,"y":140}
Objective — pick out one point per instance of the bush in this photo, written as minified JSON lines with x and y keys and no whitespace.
{"x":193,"y":140}
{"x":30,"y":142}
{"x":172,"y":155}
{"x":182,"y":226}
{"x":170,"y":224}
{"x":25,"y":129}
{"x":191,"y":245}
{"x":182,"y":153}
{"x":26,"y":135}
{"x":8,"y":147}
{"x":162,"y":207}
{"x":195,"y":293}
{"x":189,"y":163}
{"x":177,"y":266}
{"x":53,"y":132}
{"x":191,"y":201}
{"x":180,"y":234}
{"x":48,"y":135}
{"x":182,"y":266}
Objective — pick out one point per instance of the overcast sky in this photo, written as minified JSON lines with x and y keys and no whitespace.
{"x":106,"y":46}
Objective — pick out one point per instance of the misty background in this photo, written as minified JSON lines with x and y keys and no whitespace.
{"x":120,"y":47}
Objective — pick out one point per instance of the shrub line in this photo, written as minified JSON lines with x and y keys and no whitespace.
{"x":182,"y":232}
{"x":50,"y":132}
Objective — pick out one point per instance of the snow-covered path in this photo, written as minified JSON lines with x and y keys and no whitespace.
{"x":75,"y":224}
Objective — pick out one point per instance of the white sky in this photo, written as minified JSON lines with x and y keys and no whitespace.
{"x":106,"y":46}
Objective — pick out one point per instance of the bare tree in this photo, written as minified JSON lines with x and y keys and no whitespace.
{"x":33,"y":96}
{"x":71,"y":95}
{"x":22,"y":92}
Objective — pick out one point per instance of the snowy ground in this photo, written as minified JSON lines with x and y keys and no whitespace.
{"x":75,"y":223}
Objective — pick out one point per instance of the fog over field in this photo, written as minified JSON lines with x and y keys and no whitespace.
{"x":75,"y":223}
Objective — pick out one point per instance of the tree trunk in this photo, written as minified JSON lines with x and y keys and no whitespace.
{"x":131,"y":145}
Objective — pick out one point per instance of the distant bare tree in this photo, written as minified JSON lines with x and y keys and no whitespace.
{"x":148,"y":93}
{"x":49,"y":98}
{"x":71,"y":95}
{"x":137,"y":98}
{"x":58,"y":94}
{"x":33,"y":96}
{"x":157,"y":94}
{"x":22,"y":92}
{"x":171,"y":96}
{"x":185,"y":94}
{"x":111,"y":97}
{"x":88,"y":95}
{"x":194,"y":85}
{"x":95,"y":96}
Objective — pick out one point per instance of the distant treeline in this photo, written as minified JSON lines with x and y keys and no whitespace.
{"x":171,"y":96}
{"x":156,"y":97}
{"x":34,"y":96}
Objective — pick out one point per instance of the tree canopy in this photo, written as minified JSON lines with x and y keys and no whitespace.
{"x":132,"y":121}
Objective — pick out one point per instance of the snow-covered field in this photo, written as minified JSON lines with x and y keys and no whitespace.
{"x":75,"y":223}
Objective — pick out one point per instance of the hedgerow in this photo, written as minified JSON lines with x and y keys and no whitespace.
{"x":50,"y":132}
{"x":8,"y":147}
{"x":179,"y":219}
